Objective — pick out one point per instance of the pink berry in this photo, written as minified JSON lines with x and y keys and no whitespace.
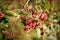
{"x":35,"y":14}
{"x":26,"y":7}
{"x":42,"y":15}
{"x":41,"y":18}
{"x":31,"y":19}
{"x":45,"y":18}
{"x":32,"y":25}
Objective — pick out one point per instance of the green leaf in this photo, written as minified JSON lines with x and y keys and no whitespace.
{"x":1,"y":36}
{"x":10,"y":13}
{"x":47,"y":5}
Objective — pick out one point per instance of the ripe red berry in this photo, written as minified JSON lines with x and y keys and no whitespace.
{"x":31,"y":10}
{"x":47,"y":12}
{"x":35,"y":14}
{"x":26,"y":29}
{"x":45,"y":18}
{"x":39,"y":24}
{"x":32,"y":25}
{"x":41,"y":17}
{"x":27,"y":22}
{"x":12,"y":35}
{"x":2,"y":15}
{"x":31,"y":20}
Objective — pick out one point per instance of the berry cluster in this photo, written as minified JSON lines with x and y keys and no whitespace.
{"x":36,"y":19}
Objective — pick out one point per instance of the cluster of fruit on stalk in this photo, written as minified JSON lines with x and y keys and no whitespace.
{"x":40,"y":18}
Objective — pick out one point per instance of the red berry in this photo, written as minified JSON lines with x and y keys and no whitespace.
{"x":31,"y":20}
{"x":1,"y":15}
{"x":33,"y":15}
{"x":27,"y":22}
{"x":38,"y":24}
{"x":41,"y":17}
{"x":26,"y":29}
{"x":36,"y":13}
{"x":32,"y":25}
{"x":31,"y":10}
{"x":47,"y":12}
{"x":12,"y":35}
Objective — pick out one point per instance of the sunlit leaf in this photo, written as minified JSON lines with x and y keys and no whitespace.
{"x":47,"y":5}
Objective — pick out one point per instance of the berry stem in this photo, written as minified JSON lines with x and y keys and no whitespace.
{"x":27,"y":2}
